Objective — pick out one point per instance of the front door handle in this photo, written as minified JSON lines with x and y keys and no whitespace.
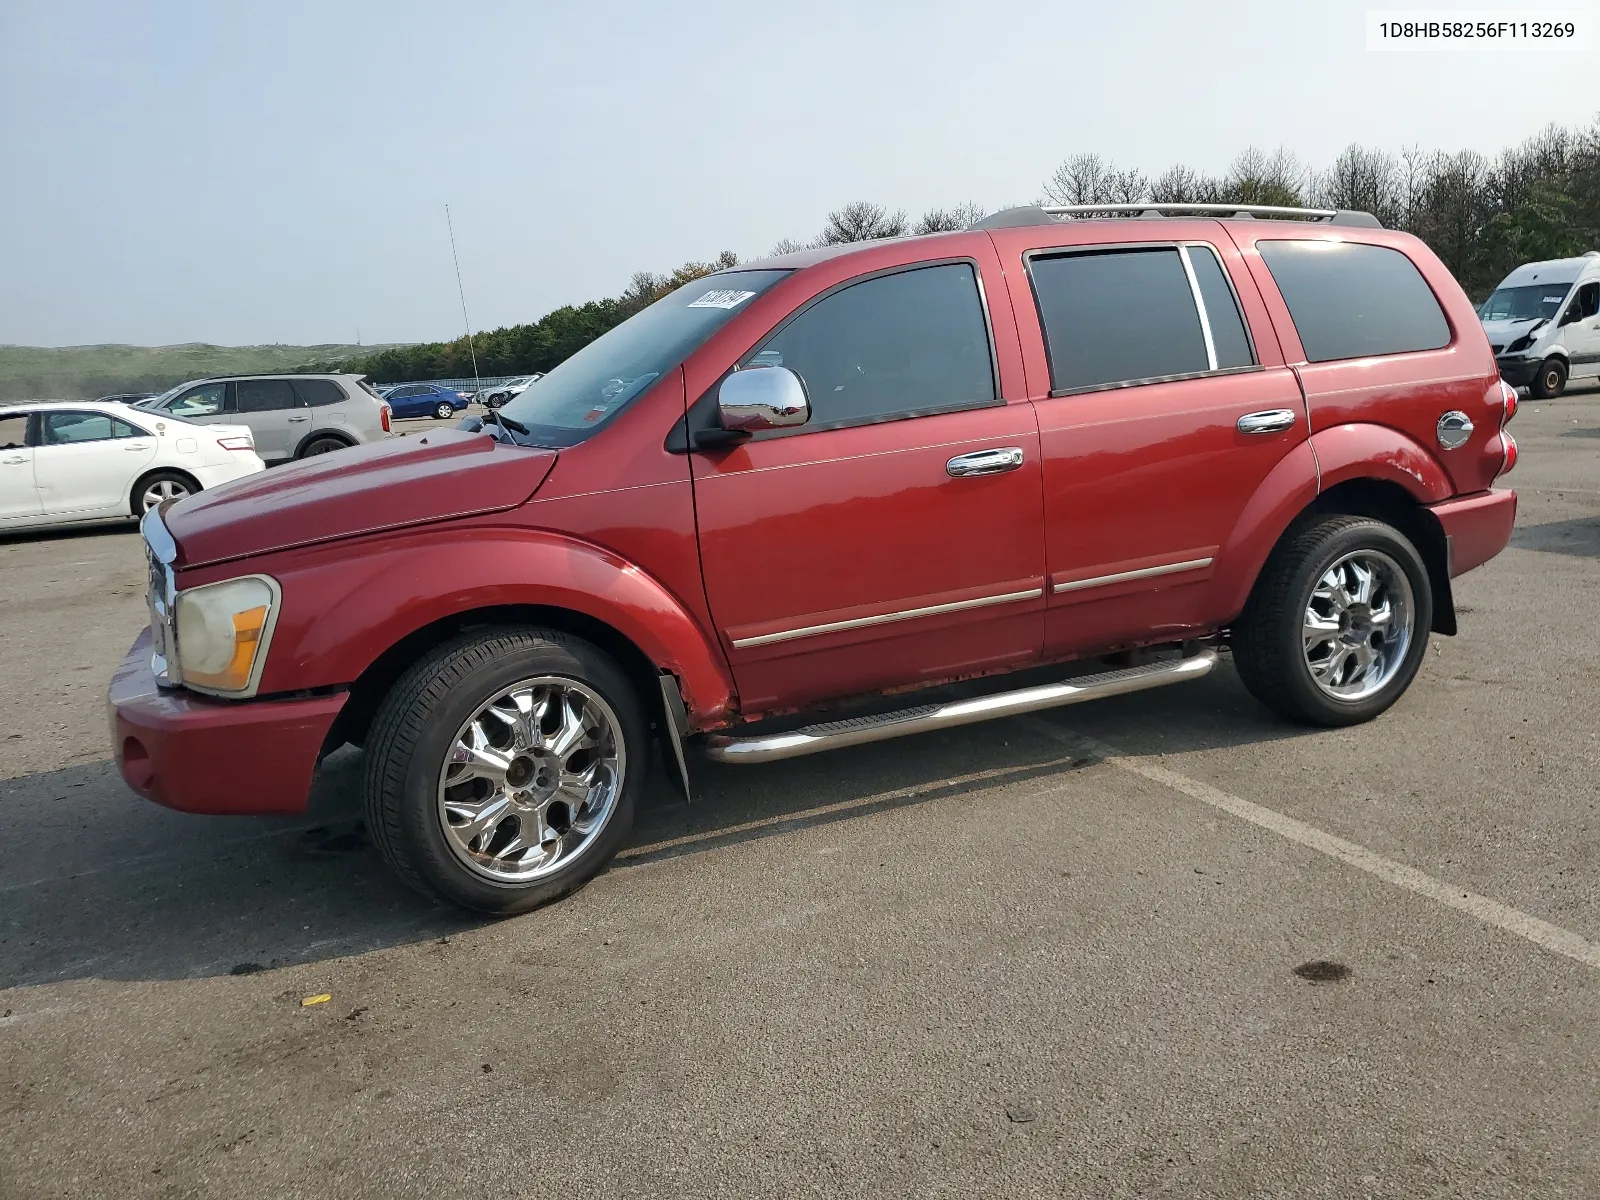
{"x":984,"y":462}
{"x":299,"y":418}
{"x":1272,"y":420}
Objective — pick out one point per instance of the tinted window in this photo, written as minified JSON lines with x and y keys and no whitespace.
{"x":1350,"y":301}
{"x":1587,"y":301}
{"x":203,"y":401}
{"x":13,"y":432}
{"x":1222,"y":310}
{"x":906,"y":343}
{"x":64,"y":428}
{"x":264,"y":395}
{"x":405,"y":393}
{"x":1117,"y":316}
{"x":318,"y":392}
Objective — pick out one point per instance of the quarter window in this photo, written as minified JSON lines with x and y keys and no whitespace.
{"x":912,"y":343}
{"x":316,"y":393}
{"x":203,"y":401}
{"x":1119,"y":316}
{"x":1351,"y":300}
{"x":264,"y":395}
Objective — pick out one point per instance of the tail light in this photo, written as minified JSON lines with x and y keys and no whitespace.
{"x":1510,"y":394}
{"x":383,"y":415}
{"x":237,"y":443}
{"x":1510,"y":445}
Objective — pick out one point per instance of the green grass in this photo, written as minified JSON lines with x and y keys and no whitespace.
{"x":84,"y":372}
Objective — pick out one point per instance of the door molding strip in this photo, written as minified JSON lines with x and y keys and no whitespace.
{"x":1073,"y":585}
{"x":784,"y":635}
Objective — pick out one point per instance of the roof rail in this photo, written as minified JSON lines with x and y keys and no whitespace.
{"x":1037,"y":215}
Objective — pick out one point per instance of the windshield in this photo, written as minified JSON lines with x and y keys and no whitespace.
{"x":597,"y":382}
{"x":1525,"y":303}
{"x":158,"y":401}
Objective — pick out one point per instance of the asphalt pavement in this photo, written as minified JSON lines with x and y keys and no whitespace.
{"x":1160,"y":945}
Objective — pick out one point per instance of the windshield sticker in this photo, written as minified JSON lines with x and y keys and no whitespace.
{"x":726,"y":298}
{"x":1552,"y":299}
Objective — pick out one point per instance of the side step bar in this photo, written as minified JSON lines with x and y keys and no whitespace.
{"x":831,"y":735}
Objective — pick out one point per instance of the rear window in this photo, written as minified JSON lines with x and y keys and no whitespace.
{"x":1118,"y":316}
{"x":316,"y":393}
{"x":1350,"y":300}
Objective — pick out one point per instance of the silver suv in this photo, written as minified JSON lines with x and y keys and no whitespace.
{"x":291,"y":416}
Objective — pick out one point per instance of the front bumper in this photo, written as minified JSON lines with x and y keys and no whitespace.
{"x":1477,"y":527}
{"x":224,"y":757}
{"x":1517,"y":370}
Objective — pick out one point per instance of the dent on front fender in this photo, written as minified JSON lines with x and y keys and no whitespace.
{"x":341,"y":612}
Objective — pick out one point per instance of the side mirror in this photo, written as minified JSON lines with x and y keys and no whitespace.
{"x":758,"y":398}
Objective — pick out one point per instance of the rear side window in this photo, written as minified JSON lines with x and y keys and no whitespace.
{"x":316,"y":393}
{"x":1350,"y":300}
{"x":264,"y":395}
{"x":900,"y":345}
{"x":1118,"y":316}
{"x":1228,"y":337}
{"x":65,"y":428}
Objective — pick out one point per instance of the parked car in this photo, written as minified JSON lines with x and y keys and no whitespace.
{"x":426,"y":400}
{"x":1543,"y":322}
{"x":291,"y":416}
{"x":841,"y":473}
{"x":509,"y":390}
{"x":126,"y":397}
{"x":62,"y":463}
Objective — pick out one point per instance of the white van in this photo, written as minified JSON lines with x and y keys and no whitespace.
{"x":1544,"y":324}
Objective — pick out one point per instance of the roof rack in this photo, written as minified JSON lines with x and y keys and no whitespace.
{"x":1042,"y":215}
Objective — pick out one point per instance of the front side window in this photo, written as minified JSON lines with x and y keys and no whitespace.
{"x":600,"y":380}
{"x":1587,"y":302}
{"x":897,"y":345}
{"x":1351,"y":300}
{"x":204,"y":401}
{"x":1118,"y":316}
{"x":68,"y":428}
{"x":264,"y":395}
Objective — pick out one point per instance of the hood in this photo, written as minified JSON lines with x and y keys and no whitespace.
{"x":1503,"y":333}
{"x":365,"y":489}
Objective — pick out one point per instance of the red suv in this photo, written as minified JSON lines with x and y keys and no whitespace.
{"x":831,"y":476}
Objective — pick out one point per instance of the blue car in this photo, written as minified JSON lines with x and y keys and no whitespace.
{"x":424,"y":400}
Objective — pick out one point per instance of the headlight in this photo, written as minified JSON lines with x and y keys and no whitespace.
{"x":223,"y":631}
{"x":1522,"y":343}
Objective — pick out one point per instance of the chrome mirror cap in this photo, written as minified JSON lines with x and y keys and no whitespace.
{"x":758,"y":398}
{"x":1454,"y":429}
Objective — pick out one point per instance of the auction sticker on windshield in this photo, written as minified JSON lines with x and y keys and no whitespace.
{"x":726,"y":298}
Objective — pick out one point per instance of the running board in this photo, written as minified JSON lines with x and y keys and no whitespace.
{"x":831,"y":735}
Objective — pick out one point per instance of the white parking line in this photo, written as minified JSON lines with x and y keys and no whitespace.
{"x":1490,"y":912}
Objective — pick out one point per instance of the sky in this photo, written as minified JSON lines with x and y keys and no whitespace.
{"x":246,"y":173}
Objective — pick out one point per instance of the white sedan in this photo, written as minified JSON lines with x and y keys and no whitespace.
{"x":62,"y":463}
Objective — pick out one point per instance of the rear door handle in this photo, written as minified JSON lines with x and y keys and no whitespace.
{"x":18,"y":459}
{"x":984,"y":462}
{"x":1271,"y":420}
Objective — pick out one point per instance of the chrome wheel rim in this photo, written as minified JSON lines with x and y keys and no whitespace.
{"x":1358,"y":625}
{"x":444,"y":412}
{"x":162,"y":490}
{"x":531,"y":780}
{"x":1552,"y":379}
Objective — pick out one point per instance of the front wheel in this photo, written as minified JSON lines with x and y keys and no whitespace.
{"x":502,"y":769}
{"x":445,"y":411}
{"x":1337,"y":625}
{"x":1551,"y":380}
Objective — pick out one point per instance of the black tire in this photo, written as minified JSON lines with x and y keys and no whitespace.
{"x":444,"y":411}
{"x":1550,"y":381}
{"x":1268,"y":647}
{"x":163,"y":485}
{"x":494,"y":401}
{"x":416,"y":725}
{"x":322,"y":445}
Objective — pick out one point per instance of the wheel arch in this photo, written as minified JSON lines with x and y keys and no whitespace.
{"x":336,"y":434}
{"x":144,"y":478}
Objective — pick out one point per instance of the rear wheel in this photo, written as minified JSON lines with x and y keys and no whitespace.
{"x":323,"y":445}
{"x":1551,"y":380}
{"x":158,"y":487}
{"x":502,"y":769}
{"x":445,"y":411}
{"x":1337,"y":625}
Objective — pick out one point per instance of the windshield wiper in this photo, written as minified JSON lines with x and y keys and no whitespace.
{"x":506,"y":423}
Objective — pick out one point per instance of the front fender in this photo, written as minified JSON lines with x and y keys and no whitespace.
{"x":342,"y":609}
{"x":1363,"y":451}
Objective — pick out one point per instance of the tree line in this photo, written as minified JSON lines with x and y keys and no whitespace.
{"x":1482,"y":216}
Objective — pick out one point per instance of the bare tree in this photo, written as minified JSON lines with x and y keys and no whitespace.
{"x":789,"y":246}
{"x":1365,"y":180}
{"x":946,"y":220}
{"x":861,"y":221}
{"x":1259,"y":178}
{"x":1078,"y":180}
{"x":1124,"y":187}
